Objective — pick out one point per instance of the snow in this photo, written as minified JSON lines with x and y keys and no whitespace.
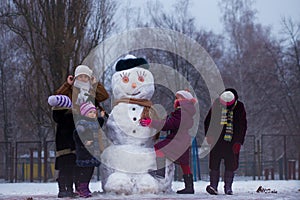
{"x":245,"y":190}
{"x":117,"y":157}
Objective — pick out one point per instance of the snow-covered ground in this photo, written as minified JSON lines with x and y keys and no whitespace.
{"x":243,"y":190}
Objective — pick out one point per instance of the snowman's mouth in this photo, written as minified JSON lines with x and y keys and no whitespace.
{"x":134,"y":94}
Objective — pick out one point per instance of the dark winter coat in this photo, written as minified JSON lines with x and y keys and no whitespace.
{"x":215,"y":131}
{"x":177,"y":144}
{"x":98,"y":92}
{"x":65,"y":146}
{"x":87,"y":129}
{"x":213,"y":127}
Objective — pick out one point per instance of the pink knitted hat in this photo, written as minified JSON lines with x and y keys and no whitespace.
{"x":85,"y":108}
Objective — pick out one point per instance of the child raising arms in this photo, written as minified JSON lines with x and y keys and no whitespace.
{"x":176,"y":146}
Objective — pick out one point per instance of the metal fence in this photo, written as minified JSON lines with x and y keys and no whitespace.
{"x":266,"y":157}
{"x":6,"y":161}
{"x":280,"y":155}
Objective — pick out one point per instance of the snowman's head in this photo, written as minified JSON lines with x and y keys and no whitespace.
{"x":132,"y":79}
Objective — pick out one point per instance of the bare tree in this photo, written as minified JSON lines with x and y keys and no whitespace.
{"x":259,"y":67}
{"x":244,"y":62}
{"x":287,"y":60}
{"x":55,"y":37}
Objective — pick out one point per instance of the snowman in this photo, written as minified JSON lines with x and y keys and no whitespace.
{"x":129,"y":158}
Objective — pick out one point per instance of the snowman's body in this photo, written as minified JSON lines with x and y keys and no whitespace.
{"x":124,"y":120}
{"x":125,"y":163}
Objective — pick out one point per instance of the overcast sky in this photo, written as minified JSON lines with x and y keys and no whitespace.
{"x":207,"y":12}
{"x":270,"y":12}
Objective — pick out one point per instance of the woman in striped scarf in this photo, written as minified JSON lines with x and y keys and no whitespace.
{"x":225,"y":129}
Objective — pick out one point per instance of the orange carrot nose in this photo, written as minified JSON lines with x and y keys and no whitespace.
{"x":133,"y":85}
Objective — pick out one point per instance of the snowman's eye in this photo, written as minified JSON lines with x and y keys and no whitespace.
{"x":141,"y":76}
{"x":125,"y":77}
{"x":141,"y":79}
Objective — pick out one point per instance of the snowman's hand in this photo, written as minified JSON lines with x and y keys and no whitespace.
{"x":145,"y":122}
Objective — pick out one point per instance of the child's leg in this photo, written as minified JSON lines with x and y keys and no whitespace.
{"x":214,"y":174}
{"x":160,"y":165}
{"x":184,"y":161}
{"x":188,"y":180}
{"x":69,"y":178}
{"x":159,"y":153}
{"x":61,"y":180}
{"x":89,"y":175}
{"x":65,"y":182}
{"x":186,"y":169}
{"x":76,"y":178}
{"x":86,"y":174}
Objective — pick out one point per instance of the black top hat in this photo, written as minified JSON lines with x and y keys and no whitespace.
{"x":131,"y":63}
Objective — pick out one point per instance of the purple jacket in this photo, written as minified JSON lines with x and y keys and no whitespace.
{"x":177,"y":144}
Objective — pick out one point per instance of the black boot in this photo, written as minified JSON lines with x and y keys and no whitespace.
{"x":161,"y":168}
{"x":188,"y":185}
{"x":65,"y":186}
{"x":62,"y":190}
{"x":70,"y":192}
{"x":228,"y":179}
{"x":214,"y":176}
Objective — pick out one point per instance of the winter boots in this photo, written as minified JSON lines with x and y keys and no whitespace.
{"x":65,"y":191}
{"x":161,"y":168}
{"x":83,"y":190}
{"x":189,"y":185}
{"x":214,"y":176}
{"x":228,"y":179}
{"x":214,"y":180}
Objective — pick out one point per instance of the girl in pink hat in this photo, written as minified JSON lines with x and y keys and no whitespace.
{"x":177,"y":145}
{"x":88,"y":143}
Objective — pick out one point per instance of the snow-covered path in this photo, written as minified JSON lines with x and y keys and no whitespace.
{"x":243,"y":190}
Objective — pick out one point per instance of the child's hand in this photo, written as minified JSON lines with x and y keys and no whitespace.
{"x":70,"y":80}
{"x":93,"y":80}
{"x":209,"y":139}
{"x":88,"y":142}
{"x":145,"y":122}
{"x":236,"y":148}
{"x":102,"y":113}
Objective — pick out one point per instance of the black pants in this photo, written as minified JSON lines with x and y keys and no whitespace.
{"x":84,"y":174}
{"x":231,"y":160}
{"x":65,"y":165}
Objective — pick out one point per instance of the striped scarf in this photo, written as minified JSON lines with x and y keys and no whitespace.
{"x":227,"y":121}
